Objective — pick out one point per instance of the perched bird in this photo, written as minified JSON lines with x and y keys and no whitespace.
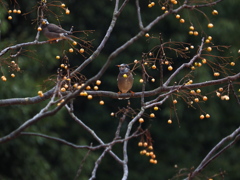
{"x":54,"y":32}
{"x":125,"y":78}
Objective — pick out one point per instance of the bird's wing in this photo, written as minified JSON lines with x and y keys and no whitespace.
{"x":56,"y":29}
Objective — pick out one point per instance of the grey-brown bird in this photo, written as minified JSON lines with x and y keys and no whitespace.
{"x":54,"y":32}
{"x":125,"y":78}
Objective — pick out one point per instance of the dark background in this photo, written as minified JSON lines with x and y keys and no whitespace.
{"x":184,"y":144}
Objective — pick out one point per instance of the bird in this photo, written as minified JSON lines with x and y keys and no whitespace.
{"x":124,"y":79}
{"x":54,"y":32}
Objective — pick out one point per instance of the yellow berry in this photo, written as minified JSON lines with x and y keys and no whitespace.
{"x":192,"y":92}
{"x":135,"y":61}
{"x":205,"y":98}
{"x":178,"y":16}
{"x":153,"y":3}
{"x":154,"y":66}
{"x":81,"y":50}
{"x":199,"y":64}
{"x":10,"y":11}
{"x":125,"y":75}
{"x":141,"y":120}
{"x":190,"y":32}
{"x":207,"y":116}
{"x":163,"y":8}
{"x":196,"y":100}
{"x":67,"y":11}
{"x":153,"y":80}
{"x":101,"y":102}
{"x":220,"y":89}
{"x":192,"y":47}
{"x":88,"y":87}
{"x":149,"y":5}
{"x":9,"y":17}
{"x":63,"y":89}
{"x":207,"y":41}
{"x":182,"y":21}
{"x":14,"y":11}
{"x":198,"y":90}
{"x":89,"y":97}
{"x":19,"y":11}
{"x":210,"y":25}
{"x":204,"y":61}
{"x":195,"y":33}
{"x":70,"y":50}
{"x":174,"y":101}
{"x":202,"y":116}
{"x":112,"y":114}
{"x":140,"y":144}
{"x":98,"y":82}
{"x":210,"y":38}
{"x":63,"y":5}
{"x":147,"y":35}
{"x":152,"y":115}
{"x":141,"y":80}
{"x":95,"y":88}
{"x":4,"y":78}
{"x":74,"y":43}
{"x":232,"y":63}
{"x":145,"y":144}
{"x":155,"y":108}
{"x":57,"y":57}
{"x":191,"y":28}
{"x":169,"y":121}
{"x":214,"y":12}
{"x":216,"y":74}
{"x":209,"y":49}
{"x":13,"y":75}
{"x":170,"y":68}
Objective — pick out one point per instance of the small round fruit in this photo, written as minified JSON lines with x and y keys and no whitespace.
{"x":205,"y":98}
{"x":178,"y":16}
{"x":141,"y":80}
{"x":9,"y":11}
{"x":101,"y":102}
{"x":145,"y":144}
{"x":214,"y":12}
{"x":74,"y":43}
{"x":112,"y":114}
{"x":210,"y":25}
{"x":81,"y":50}
{"x":196,"y":100}
{"x":198,"y":90}
{"x":192,"y":92}
{"x":195,"y":33}
{"x":154,"y":66}
{"x":207,"y":41}
{"x":202,"y":116}
{"x":141,"y":120}
{"x":19,"y":11}
{"x":9,"y":17}
{"x":125,"y":75}
{"x":149,"y":5}
{"x":88,"y":87}
{"x":63,"y":89}
{"x":216,"y":74}
{"x":152,"y":115}
{"x":163,"y":8}
{"x":191,"y":28}
{"x":210,"y":38}
{"x":95,"y":88}
{"x":174,"y":101}
{"x":153,"y":80}
{"x":182,"y":21}
{"x":190,"y":32}
{"x":220,"y":89}
{"x":140,"y":144}
{"x":98,"y":82}
{"x":70,"y":50}
{"x":147,"y":35}
{"x":153,"y":3}
{"x":57,"y":57}
{"x":63,"y":5}
{"x":232,"y":63}
{"x":169,"y":121}
{"x":14,"y":11}
{"x":67,"y":11}
{"x":209,"y":49}
{"x":192,"y":47}
{"x":204,"y":61}
{"x":155,"y":108}
{"x":208,"y":116}
{"x":170,"y":68}
{"x":89,"y":97}
{"x":13,"y":75}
